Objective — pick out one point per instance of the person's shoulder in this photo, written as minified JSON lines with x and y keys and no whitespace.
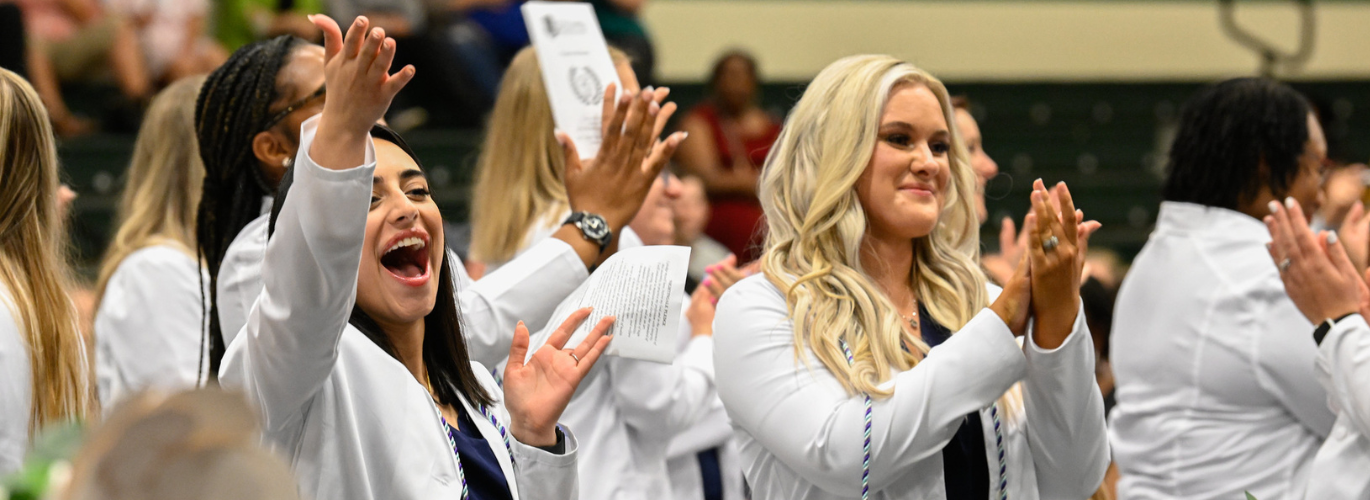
{"x":161,"y":260}
{"x":751,"y":294}
{"x":252,"y":236}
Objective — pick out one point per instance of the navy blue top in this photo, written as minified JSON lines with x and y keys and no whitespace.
{"x":484,"y":478}
{"x":965,"y":467}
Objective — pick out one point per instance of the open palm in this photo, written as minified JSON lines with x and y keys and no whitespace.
{"x":538,"y":390}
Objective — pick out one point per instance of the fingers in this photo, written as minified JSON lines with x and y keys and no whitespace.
{"x":332,"y":35}
{"x":1303,"y":235}
{"x":638,"y":129}
{"x":588,"y":361}
{"x":1342,"y":261}
{"x":662,"y":153}
{"x":1032,"y":227}
{"x":1068,"y":212}
{"x":662,"y":117}
{"x":1047,"y":214}
{"x":613,"y":128}
{"x":371,"y":47}
{"x":352,"y":43}
{"x":518,"y":351}
{"x":607,"y":105}
{"x":1282,"y":241}
{"x":568,"y":327}
{"x":568,"y":148}
{"x":398,"y":80}
{"x":601,"y":329}
{"x":381,"y":65}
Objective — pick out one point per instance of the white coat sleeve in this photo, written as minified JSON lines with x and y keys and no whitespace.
{"x":1066,"y":431}
{"x":538,"y":473}
{"x":289,"y":346}
{"x":799,"y":412}
{"x":660,"y":399}
{"x":1344,"y":367}
{"x":149,"y":323}
{"x":1285,"y":361}
{"x":527,"y":289}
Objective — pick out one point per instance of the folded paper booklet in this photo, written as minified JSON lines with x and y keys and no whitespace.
{"x":643,"y":288}
{"x":575,"y":67}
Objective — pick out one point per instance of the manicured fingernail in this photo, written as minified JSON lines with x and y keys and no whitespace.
{"x":653,"y":108}
{"x":1274,"y":207}
{"x":1331,"y":237}
{"x":650,"y":89}
{"x":706,"y":282}
{"x":713,"y":301}
{"x":684,"y":135}
{"x":1289,"y":202}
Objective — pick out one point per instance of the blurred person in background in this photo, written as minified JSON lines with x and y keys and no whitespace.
{"x":173,"y":35}
{"x":84,"y":41}
{"x":733,"y":135}
{"x":691,"y":217}
{"x":628,"y":410}
{"x":985,"y":167}
{"x":622,"y":28}
{"x":150,"y":313}
{"x":44,"y":368}
{"x":240,"y":22}
{"x":445,"y":93}
{"x":195,"y":445}
{"x":1216,"y":393}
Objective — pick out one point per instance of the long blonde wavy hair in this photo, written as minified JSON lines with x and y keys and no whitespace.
{"x":33,"y":265}
{"x":519,"y":172}
{"x":162,"y":192}
{"x":816,"y":226}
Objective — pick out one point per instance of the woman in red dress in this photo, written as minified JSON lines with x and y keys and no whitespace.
{"x":736,"y":137}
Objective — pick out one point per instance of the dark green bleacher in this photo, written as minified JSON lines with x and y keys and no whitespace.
{"x":1105,"y":139}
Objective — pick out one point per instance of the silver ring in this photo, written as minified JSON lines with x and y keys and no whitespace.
{"x":1284,"y":264}
{"x":1050,"y":244}
{"x":573,"y":356}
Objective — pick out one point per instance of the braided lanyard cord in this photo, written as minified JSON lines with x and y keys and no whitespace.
{"x":866,"y":434}
{"x":866,"y":446}
{"x":452,"y":441}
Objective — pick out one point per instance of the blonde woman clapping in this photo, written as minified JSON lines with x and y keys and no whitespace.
{"x":826,"y":363}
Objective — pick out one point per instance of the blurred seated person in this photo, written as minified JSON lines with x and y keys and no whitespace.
{"x":1345,"y":185}
{"x":174,"y":39}
{"x":240,"y":22}
{"x":734,"y":137}
{"x":76,"y":40}
{"x":443,"y":78}
{"x":691,"y":215}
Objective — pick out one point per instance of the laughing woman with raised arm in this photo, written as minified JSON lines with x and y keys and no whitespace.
{"x":839,"y":365}
{"x":354,"y":352}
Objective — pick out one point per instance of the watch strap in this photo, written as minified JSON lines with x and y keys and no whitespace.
{"x":1325,"y":327}
{"x":577,"y":217}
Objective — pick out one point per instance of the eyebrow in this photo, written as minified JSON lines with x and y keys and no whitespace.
{"x":404,"y":176}
{"x":907,"y":126}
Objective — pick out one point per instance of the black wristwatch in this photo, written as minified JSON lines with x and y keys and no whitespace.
{"x":593,"y":228}
{"x":1326,"y":326}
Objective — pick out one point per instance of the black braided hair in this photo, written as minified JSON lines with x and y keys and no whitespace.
{"x":233,"y":107}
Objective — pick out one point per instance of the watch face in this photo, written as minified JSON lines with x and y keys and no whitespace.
{"x":594,"y":227}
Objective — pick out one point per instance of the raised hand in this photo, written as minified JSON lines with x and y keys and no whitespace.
{"x":614,"y":183}
{"x":1317,"y":271}
{"x":1014,"y":304}
{"x":537,"y":391}
{"x":1056,"y":250}
{"x":360,"y":87}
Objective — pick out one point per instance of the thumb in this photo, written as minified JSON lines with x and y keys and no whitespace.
{"x":332,"y":35}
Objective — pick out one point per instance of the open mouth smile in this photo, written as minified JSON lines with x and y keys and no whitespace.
{"x":406,"y":258}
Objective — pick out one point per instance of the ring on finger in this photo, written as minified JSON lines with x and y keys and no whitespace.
{"x":1050,"y":243}
{"x":1284,"y":264}
{"x":577,"y":358}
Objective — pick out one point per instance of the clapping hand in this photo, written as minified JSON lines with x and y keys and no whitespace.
{"x":538,"y":390}
{"x":614,"y":183}
{"x":1056,"y":251}
{"x":1355,"y":236}
{"x":360,"y":87}
{"x":1317,"y":271}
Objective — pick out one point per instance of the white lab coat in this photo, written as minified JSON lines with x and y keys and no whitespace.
{"x":1341,"y":469}
{"x":528,"y":289}
{"x":714,"y":430}
{"x":627,"y":411}
{"x":352,"y":420}
{"x":801,"y":433}
{"x":16,"y":391}
{"x":148,"y":331}
{"x":1215,"y":385}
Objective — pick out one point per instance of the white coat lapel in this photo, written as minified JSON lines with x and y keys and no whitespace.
{"x":496,"y":442}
